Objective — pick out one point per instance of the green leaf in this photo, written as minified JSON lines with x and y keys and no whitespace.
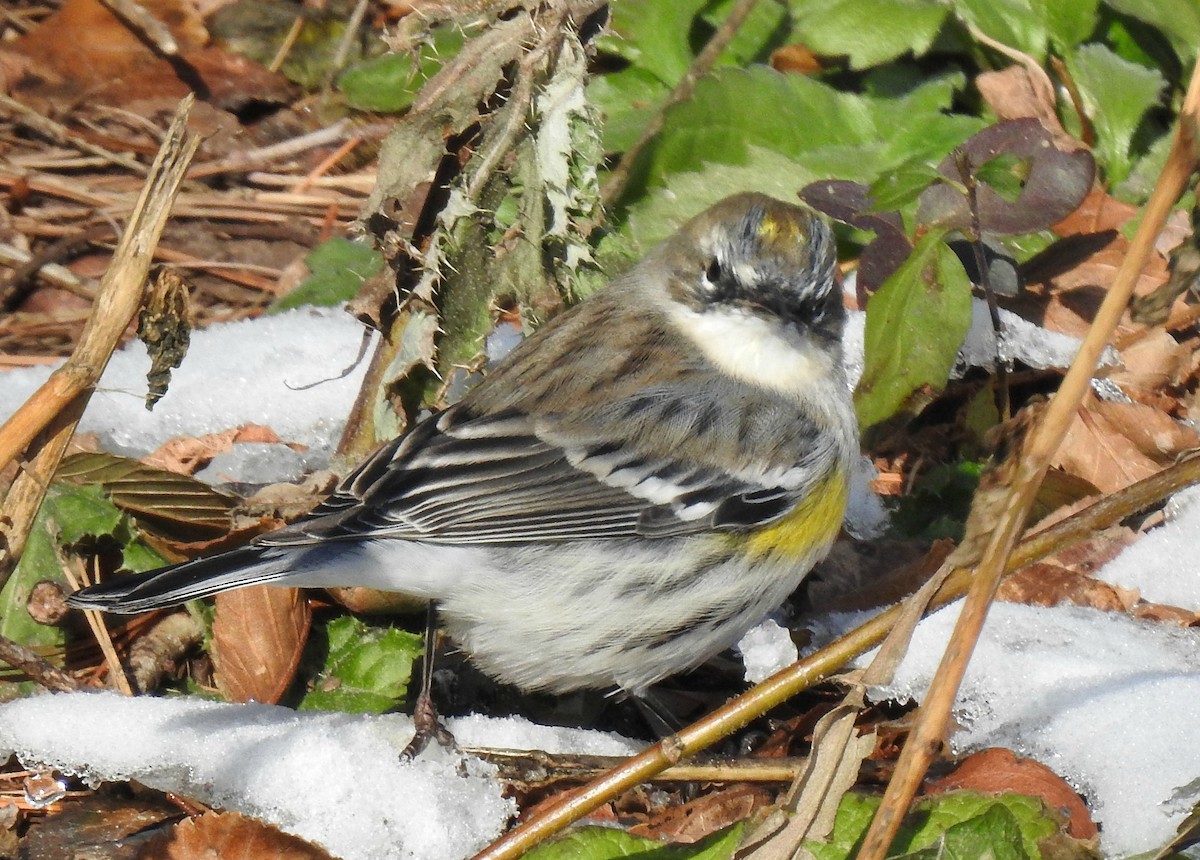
{"x":654,"y":35}
{"x":899,"y":187}
{"x":627,"y":100}
{"x":870,"y":32}
{"x":1030,"y":24}
{"x":1006,"y":174}
{"x":1016,"y":23}
{"x":915,"y":325}
{"x":1116,"y":95}
{"x":733,"y":110}
{"x":1177,"y":20}
{"x":1136,"y":187}
{"x":659,"y":39}
{"x":367,"y":668}
{"x":388,"y":83}
{"x":994,"y":835}
{"x":662,"y":212}
{"x":1008,"y":826}
{"x":605,"y":843}
{"x":1069,"y":22}
{"x":70,"y":515}
{"x":338,"y":268}
{"x":756,"y":37}
{"x":940,"y":501}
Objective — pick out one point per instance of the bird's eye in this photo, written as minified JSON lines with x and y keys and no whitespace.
{"x":713,"y":272}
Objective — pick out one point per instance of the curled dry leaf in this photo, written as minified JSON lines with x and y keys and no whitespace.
{"x":258,"y":636}
{"x":1051,"y":585}
{"x":696,"y":819}
{"x":1113,"y":445}
{"x":230,"y":836}
{"x":1153,"y":363}
{"x":1015,"y":93}
{"x":188,"y":454}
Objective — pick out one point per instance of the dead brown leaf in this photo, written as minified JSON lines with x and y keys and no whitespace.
{"x":1051,"y":585}
{"x":230,"y":836}
{"x":1168,"y":614}
{"x":85,"y":48}
{"x":1014,"y":93}
{"x":1113,"y":445}
{"x":84,"y":52}
{"x":91,"y":825}
{"x":1070,"y":298}
{"x":258,"y":636}
{"x":1098,"y":212}
{"x":188,"y":454}
{"x":1152,"y":363}
{"x":696,"y":819}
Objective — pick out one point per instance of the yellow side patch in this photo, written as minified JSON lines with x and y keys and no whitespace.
{"x":814,"y":523}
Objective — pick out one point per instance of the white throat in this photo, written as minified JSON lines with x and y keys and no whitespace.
{"x":756,"y":350}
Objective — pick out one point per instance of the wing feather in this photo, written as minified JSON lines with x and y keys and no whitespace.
{"x":459,"y":478}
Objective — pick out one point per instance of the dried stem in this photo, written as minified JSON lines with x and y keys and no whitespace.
{"x":929,"y":730}
{"x":55,"y":407}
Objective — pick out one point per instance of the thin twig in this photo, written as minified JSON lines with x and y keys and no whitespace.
{"x":289,"y":41}
{"x":326,"y":165}
{"x":256,"y":158}
{"x":534,"y":768}
{"x":929,"y":730}
{"x":353,"y":24}
{"x":704,"y":61}
{"x":54,"y":274}
{"x":22,"y":281}
{"x":966,"y":172}
{"x":42,"y":671}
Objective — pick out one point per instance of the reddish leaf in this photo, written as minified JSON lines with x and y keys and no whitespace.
{"x":230,"y":836}
{"x":1051,"y":585}
{"x":999,"y":770}
{"x":1056,"y":183}
{"x":258,"y":636}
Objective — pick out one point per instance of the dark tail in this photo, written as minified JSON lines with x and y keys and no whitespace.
{"x":128,"y":593}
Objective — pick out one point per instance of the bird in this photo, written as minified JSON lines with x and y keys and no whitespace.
{"x":633,"y":487}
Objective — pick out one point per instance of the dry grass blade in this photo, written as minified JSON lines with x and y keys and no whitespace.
{"x":54,"y":408}
{"x":929,"y":730}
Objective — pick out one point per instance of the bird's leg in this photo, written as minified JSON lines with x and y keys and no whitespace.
{"x":425,"y":716}
{"x":657,"y":714}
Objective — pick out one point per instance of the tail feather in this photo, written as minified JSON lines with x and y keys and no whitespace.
{"x":128,"y":593}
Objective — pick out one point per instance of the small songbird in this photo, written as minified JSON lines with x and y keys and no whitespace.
{"x":633,"y":488}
